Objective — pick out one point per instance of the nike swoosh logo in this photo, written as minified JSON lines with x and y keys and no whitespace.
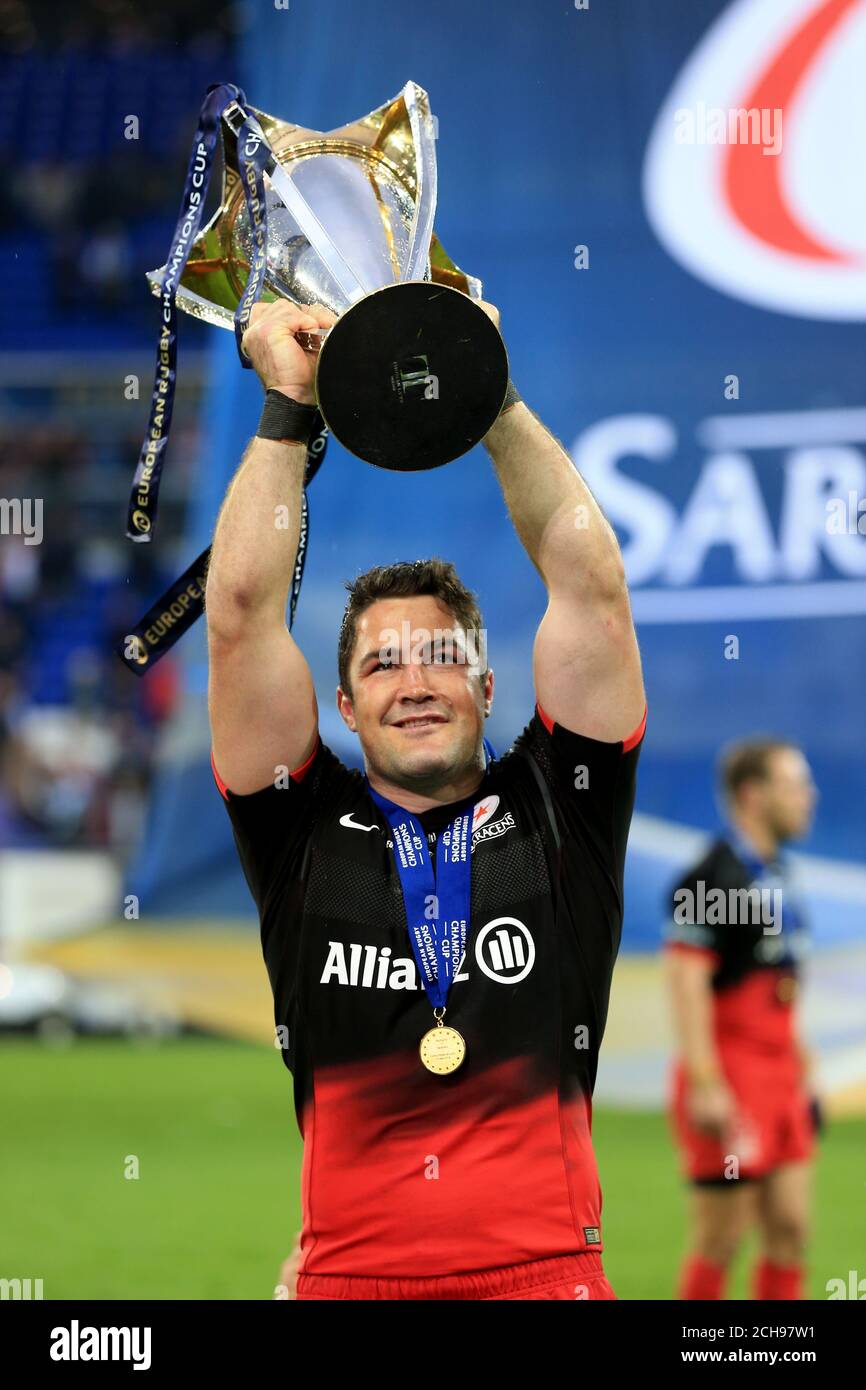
{"x":355,"y":825}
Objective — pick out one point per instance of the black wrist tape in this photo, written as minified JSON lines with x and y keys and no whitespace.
{"x":283,"y":418}
{"x":512,"y":396}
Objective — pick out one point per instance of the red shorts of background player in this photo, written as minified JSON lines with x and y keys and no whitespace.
{"x":578,"y":1278}
{"x":773,"y":1124}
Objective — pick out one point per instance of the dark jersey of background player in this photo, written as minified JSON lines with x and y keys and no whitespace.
{"x":756,"y":963}
{"x":406,"y":1173}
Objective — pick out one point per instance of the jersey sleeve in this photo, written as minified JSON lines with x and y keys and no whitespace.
{"x":591,"y":786}
{"x":272,"y":826}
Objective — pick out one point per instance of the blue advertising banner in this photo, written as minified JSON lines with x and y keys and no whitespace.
{"x":665,"y":203}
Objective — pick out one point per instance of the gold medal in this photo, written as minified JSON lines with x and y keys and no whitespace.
{"x":442,"y":1049}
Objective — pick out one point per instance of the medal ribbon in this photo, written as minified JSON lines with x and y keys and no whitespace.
{"x":438,"y":938}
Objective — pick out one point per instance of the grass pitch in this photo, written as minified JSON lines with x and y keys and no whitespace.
{"x":215,"y":1206}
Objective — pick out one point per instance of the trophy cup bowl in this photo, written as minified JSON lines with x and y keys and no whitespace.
{"x":414,"y":372}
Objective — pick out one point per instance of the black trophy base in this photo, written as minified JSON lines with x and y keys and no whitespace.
{"x":412,"y":376}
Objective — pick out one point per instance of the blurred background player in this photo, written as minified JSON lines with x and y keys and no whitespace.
{"x":744,"y":1108}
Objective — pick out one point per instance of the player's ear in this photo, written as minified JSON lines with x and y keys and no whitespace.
{"x":346,"y":709}
{"x":487,"y":690}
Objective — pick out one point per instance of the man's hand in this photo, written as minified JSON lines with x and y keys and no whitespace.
{"x":287,"y":1288}
{"x":711,"y":1107}
{"x":280,"y":362}
{"x":490,"y":310}
{"x":811,"y":1085}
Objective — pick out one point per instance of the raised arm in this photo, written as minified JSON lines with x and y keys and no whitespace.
{"x":261,"y":700}
{"x":586,"y":659}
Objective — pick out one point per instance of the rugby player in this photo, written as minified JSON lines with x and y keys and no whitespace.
{"x":447,"y":1147}
{"x":744,"y":1103}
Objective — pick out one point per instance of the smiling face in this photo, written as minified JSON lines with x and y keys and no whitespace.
{"x":418,"y":701}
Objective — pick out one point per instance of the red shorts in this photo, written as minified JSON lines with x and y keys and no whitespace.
{"x":574,"y":1277}
{"x":773,"y":1124}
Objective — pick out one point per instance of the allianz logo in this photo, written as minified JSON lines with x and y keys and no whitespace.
{"x":503,"y":950}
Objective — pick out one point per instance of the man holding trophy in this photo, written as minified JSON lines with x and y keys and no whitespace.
{"x":467,"y":1172}
{"x":439,"y":931}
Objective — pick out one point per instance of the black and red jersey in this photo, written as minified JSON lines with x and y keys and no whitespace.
{"x":747,"y":917}
{"x":405,"y":1172}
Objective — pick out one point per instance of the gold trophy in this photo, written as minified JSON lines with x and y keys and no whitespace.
{"x":414,"y":372}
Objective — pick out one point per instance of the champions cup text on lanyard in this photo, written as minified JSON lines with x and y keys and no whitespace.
{"x":439,"y":936}
{"x":147,"y":642}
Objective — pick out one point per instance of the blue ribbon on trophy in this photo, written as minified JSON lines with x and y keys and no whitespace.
{"x":183,"y":602}
{"x":144,"y":496}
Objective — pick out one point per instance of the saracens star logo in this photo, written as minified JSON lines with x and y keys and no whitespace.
{"x":484,"y":810}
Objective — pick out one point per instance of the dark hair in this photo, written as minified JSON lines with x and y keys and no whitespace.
{"x":747,"y":761}
{"x":404,"y":579}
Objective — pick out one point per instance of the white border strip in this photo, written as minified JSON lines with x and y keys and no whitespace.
{"x":831,"y":878}
{"x":744,"y":603}
{"x":782,"y":429}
